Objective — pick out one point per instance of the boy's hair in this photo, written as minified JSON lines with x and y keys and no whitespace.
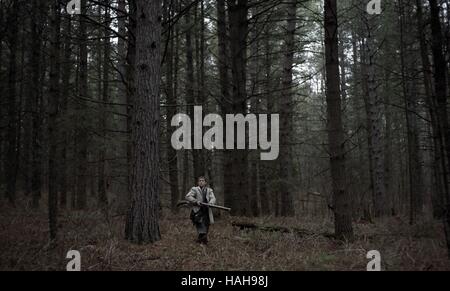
{"x":202,"y":177}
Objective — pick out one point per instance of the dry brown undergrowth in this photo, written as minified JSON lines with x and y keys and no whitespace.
{"x":24,"y":245}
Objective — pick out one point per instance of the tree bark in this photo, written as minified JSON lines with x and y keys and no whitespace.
{"x":286,"y":166}
{"x":235,"y":179}
{"x":11,"y":158}
{"x":123,"y":199}
{"x":410,"y":98}
{"x":267,"y":166}
{"x":441,"y":96}
{"x":374,"y":108}
{"x":54,"y":94}
{"x":199,"y":40}
{"x":131,"y":91}
{"x":36,"y":44}
{"x":65,"y":120}
{"x":172,"y":158}
{"x":223,"y":66}
{"x":142,"y":224}
{"x":102,"y":179}
{"x":198,"y":162}
{"x":440,"y":179}
{"x":223,"y":50}
{"x":341,"y":197}
{"x":81,"y":135}
{"x":362,"y":204}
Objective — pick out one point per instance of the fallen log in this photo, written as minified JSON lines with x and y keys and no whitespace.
{"x":282,"y":229}
{"x":271,"y":228}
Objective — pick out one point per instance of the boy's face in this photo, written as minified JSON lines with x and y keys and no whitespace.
{"x":201,"y":182}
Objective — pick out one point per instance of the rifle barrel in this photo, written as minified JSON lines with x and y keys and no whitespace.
{"x":216,"y":206}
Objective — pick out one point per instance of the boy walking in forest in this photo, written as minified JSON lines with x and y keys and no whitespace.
{"x":201,"y":215}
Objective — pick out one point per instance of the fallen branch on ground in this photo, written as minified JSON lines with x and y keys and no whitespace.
{"x":282,"y":229}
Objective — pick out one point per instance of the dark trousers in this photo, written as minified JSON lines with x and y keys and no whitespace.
{"x":201,"y":222}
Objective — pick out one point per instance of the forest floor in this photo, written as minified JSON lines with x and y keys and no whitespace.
{"x":24,"y":245}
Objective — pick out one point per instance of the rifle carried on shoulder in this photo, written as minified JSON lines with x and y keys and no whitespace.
{"x":188,"y":203}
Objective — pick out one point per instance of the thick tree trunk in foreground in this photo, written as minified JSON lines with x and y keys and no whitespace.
{"x":142,"y":220}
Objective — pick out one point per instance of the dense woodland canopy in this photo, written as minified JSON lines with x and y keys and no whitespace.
{"x":88,"y":99}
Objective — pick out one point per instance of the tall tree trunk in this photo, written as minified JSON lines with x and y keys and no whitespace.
{"x":388,"y":137}
{"x":222,"y":57}
{"x":102,"y":180}
{"x":341,"y":197}
{"x":131,"y":90}
{"x":82,"y":136}
{"x":235,"y":184}
{"x":190,"y":90}
{"x":254,"y":64}
{"x":362,"y":202}
{"x":11,"y":158}
{"x":27,"y":122}
{"x":36,"y":44}
{"x":199,"y":40}
{"x":267,"y":166}
{"x":223,"y":66}
{"x":176,"y":82}
{"x":54,"y":92}
{"x":123,"y":200}
{"x":28,"y":118}
{"x":410,"y":98}
{"x":172,"y":158}
{"x":65,"y":120}
{"x":374,"y":106}
{"x":202,"y":82}
{"x":365,"y":93}
{"x":438,"y":167}
{"x":142,"y":224}
{"x":440,"y":81}
{"x":2,"y":109}
{"x":446,"y":23}
{"x":286,"y":166}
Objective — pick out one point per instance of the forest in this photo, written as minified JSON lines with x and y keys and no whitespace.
{"x":321,"y":128}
